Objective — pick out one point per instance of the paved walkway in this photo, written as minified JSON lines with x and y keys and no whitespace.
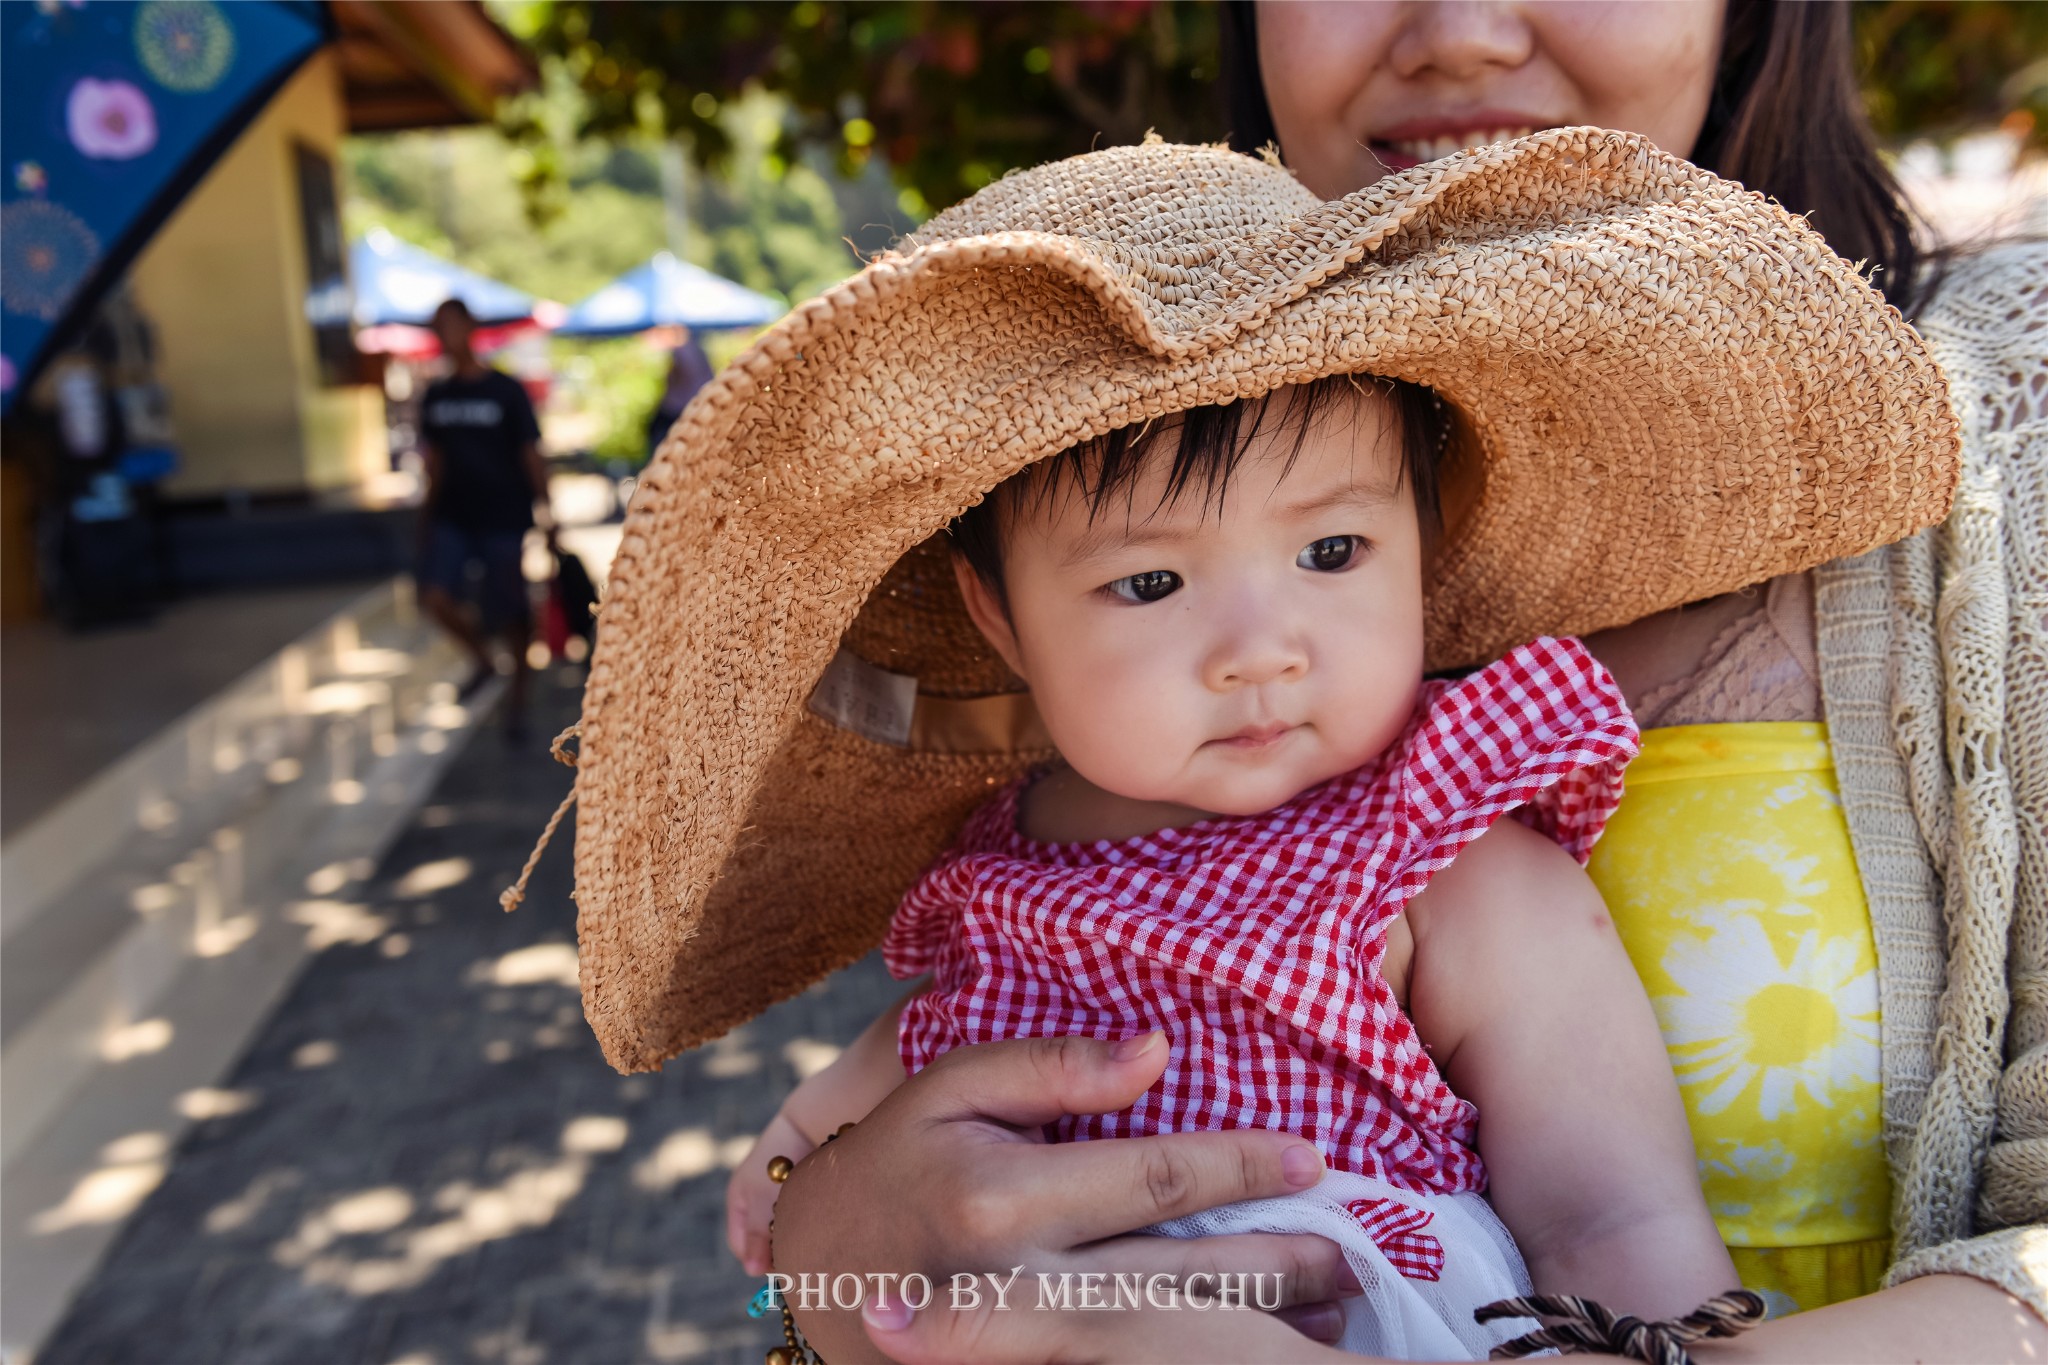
{"x":76,"y":702}
{"x":424,"y":1159}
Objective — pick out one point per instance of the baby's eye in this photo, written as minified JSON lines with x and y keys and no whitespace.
{"x":1329,"y":554}
{"x":1147,"y":587}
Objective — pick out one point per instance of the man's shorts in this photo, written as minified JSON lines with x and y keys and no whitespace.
{"x":478,"y":565}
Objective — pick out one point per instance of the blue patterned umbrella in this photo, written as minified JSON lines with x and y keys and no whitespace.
{"x":667,"y":292}
{"x":110,"y":113}
{"x":398,"y":282}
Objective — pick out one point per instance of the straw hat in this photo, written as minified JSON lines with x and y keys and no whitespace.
{"x":1666,"y":388}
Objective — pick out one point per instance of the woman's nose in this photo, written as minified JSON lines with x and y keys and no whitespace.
{"x":1459,"y":39}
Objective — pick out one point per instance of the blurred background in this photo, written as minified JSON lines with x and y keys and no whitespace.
{"x":279,"y":1081}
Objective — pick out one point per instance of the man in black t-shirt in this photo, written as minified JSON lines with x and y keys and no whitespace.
{"x":484,"y":478}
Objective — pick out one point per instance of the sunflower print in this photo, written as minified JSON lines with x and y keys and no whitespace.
{"x":1731,"y":880}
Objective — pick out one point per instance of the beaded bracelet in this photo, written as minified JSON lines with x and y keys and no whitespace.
{"x":1580,"y":1326}
{"x":794,"y":1349}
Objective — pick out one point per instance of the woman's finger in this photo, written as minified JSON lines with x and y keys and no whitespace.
{"x":1073,"y":1193}
{"x":1322,"y":1322}
{"x":1030,"y":1082}
{"x":1273,"y":1269}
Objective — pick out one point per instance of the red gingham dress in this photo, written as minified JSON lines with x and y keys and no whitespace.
{"x":1256,"y":941}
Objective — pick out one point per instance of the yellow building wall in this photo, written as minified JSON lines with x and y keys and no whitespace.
{"x":224,"y":282}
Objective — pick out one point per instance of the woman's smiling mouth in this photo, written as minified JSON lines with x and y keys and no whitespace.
{"x":1412,"y":143}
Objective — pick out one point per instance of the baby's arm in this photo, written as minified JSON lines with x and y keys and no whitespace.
{"x":1533,"y":1012}
{"x":857,"y":1080}
{"x":844,"y":1092}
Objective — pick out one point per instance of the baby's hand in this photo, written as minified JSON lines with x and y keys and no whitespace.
{"x":750,"y":1195}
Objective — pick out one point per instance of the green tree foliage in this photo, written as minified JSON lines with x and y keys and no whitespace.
{"x":951,"y":93}
{"x":773,"y":226}
{"x":1935,"y":68}
{"x":455,"y":193}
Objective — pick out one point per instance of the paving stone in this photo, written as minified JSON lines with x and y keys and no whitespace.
{"x":400,"y":1189}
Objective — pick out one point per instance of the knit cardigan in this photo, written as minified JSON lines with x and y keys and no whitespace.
{"x":1934,"y":681}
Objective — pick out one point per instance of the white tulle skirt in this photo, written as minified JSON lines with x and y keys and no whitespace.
{"x":1426,"y":1261}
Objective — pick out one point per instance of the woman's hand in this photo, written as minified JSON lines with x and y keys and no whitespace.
{"x":951,"y":1175}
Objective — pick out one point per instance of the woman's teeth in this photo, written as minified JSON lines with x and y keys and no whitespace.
{"x":1430,"y":148}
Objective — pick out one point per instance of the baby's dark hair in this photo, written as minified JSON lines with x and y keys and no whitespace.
{"x":1211,"y":443}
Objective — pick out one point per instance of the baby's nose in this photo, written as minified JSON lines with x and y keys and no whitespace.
{"x":1256,"y":658}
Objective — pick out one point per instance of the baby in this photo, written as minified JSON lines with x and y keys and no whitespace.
{"x":1273,"y":839}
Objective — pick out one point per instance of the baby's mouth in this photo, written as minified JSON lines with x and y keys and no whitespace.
{"x":1253,"y":738}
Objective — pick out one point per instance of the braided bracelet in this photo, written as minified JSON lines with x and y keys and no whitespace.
{"x":1582,"y":1326}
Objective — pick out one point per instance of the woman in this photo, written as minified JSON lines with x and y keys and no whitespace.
{"x":1925,"y":659}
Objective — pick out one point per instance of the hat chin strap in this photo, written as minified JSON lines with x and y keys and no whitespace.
{"x":886,"y":708}
{"x":511,"y":897}
{"x":1002,"y":724}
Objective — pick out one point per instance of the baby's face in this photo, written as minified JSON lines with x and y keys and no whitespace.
{"x":1224,"y":660}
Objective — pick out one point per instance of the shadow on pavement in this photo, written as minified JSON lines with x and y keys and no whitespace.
{"x":424,"y":1159}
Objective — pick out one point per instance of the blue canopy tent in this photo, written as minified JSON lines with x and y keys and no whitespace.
{"x":398,"y":282}
{"x":667,"y":292}
{"x":109,"y":115}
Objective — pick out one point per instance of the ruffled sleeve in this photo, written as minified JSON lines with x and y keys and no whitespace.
{"x":927,"y":919}
{"x":1542,"y":732}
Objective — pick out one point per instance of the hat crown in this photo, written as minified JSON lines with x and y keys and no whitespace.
{"x":1189,"y":246}
{"x":1157,"y":200}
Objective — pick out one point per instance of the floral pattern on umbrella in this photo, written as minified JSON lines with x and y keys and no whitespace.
{"x":44,"y":252}
{"x":185,"y":44}
{"x":110,"y":120}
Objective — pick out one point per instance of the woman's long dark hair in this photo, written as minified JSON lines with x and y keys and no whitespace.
{"x":1786,"y":119}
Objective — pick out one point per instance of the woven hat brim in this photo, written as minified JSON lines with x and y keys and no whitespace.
{"x":1670,"y":389}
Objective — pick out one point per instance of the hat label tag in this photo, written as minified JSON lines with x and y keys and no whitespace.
{"x":872,"y":702}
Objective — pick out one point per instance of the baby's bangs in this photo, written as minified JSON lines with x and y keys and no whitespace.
{"x":1209,"y":444}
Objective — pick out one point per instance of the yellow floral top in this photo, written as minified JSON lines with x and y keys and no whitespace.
{"x":1731,"y":879}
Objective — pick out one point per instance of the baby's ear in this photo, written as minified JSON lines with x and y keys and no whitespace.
{"x":988,"y":613}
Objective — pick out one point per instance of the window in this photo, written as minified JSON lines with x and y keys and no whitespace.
{"x":328,"y":299}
